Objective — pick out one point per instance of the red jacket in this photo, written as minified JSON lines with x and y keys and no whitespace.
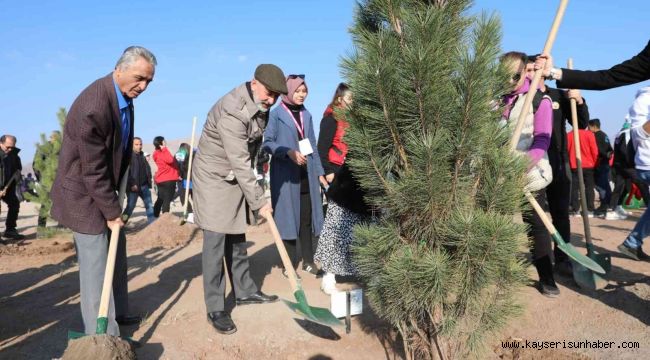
{"x":167,"y":167}
{"x":339,"y":148}
{"x":588,"y":149}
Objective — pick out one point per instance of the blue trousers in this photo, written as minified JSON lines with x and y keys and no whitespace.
{"x":642,"y":227}
{"x":145,"y":194}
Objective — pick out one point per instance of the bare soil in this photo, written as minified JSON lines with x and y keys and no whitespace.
{"x":99,"y":347}
{"x":39,"y":302}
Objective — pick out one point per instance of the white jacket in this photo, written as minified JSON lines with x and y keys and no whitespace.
{"x":639,"y":114}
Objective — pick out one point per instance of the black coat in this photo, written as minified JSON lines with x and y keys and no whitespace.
{"x":631,"y":71}
{"x":346,"y":192}
{"x":557,"y":152}
{"x":139,"y":172}
{"x":10,"y":166}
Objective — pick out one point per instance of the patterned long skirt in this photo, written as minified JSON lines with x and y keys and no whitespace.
{"x":333,"y":251}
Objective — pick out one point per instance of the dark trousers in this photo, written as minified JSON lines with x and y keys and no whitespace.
{"x":588,"y":175}
{"x":541,"y":239}
{"x":602,"y":186}
{"x":233,"y":247}
{"x":305,"y":235}
{"x":13,"y":205}
{"x":166,"y":191}
{"x":558,"y":194}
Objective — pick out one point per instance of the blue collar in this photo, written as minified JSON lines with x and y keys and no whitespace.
{"x":122,"y":102}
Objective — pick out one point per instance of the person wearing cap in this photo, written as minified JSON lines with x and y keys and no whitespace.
{"x":225,"y":188}
{"x":296,"y":174}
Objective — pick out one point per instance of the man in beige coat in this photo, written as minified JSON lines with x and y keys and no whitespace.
{"x":224,"y":186}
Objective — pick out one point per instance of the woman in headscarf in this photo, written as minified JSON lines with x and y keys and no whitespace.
{"x":296,"y":174}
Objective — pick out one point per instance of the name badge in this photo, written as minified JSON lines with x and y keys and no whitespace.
{"x":305,"y":147}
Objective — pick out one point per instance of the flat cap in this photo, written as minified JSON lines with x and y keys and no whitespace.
{"x":272,"y":78}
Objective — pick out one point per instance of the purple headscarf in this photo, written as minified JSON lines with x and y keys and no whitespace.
{"x":292,"y":86}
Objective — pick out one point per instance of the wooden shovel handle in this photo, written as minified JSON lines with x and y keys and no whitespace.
{"x":581,"y":179}
{"x":293,"y":279}
{"x":189,"y":170}
{"x":108,"y":273}
{"x":538,"y":75}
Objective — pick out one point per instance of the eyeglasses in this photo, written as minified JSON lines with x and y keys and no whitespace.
{"x":516,"y":77}
{"x":293,"y":76}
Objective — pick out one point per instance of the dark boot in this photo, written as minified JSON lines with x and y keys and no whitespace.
{"x":546,"y":283}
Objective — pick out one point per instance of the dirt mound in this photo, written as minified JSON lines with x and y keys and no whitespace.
{"x":99,"y":347}
{"x":38,"y":247}
{"x":165,"y":232}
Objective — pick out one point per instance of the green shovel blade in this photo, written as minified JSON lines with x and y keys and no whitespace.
{"x":586,"y":278}
{"x":316,"y":314}
{"x":604,"y":260}
{"x":574,"y":254}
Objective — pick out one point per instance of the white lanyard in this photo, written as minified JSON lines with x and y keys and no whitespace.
{"x":301,"y":126}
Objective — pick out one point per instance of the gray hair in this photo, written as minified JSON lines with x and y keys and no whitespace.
{"x":132,"y":53}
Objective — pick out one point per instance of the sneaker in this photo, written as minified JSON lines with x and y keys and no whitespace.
{"x":621,"y":211}
{"x":190,"y":218}
{"x":13,"y":234}
{"x":328,"y":284}
{"x":601,"y":214}
{"x":312,"y":269}
{"x":613,"y":215}
{"x":635,"y":254}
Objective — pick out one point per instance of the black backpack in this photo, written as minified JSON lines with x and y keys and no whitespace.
{"x":624,"y":152}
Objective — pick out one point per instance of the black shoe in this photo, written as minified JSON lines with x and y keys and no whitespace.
{"x":128,"y":320}
{"x":13,"y":234}
{"x":286,"y":275}
{"x":636,"y":254}
{"x":564,"y":268}
{"x":312,"y":269}
{"x":546,"y":284}
{"x":548,"y":290}
{"x":222,"y":322}
{"x":257,"y":298}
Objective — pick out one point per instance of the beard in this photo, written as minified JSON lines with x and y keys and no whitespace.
{"x":261,"y":107}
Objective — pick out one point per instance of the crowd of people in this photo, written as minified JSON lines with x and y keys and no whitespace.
{"x":242,"y":132}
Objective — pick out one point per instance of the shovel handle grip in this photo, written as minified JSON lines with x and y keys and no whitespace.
{"x":293,"y":278}
{"x":189,"y":170}
{"x":581,"y":178}
{"x":538,"y":75}
{"x":108,"y":273}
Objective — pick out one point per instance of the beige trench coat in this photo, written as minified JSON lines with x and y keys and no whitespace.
{"x":223,"y":180}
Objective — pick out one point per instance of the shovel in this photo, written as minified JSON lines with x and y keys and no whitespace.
{"x":567,"y":248}
{"x":11,"y":181}
{"x":102,"y":318}
{"x":189,"y":175}
{"x":584,"y":277}
{"x":301,"y":307}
